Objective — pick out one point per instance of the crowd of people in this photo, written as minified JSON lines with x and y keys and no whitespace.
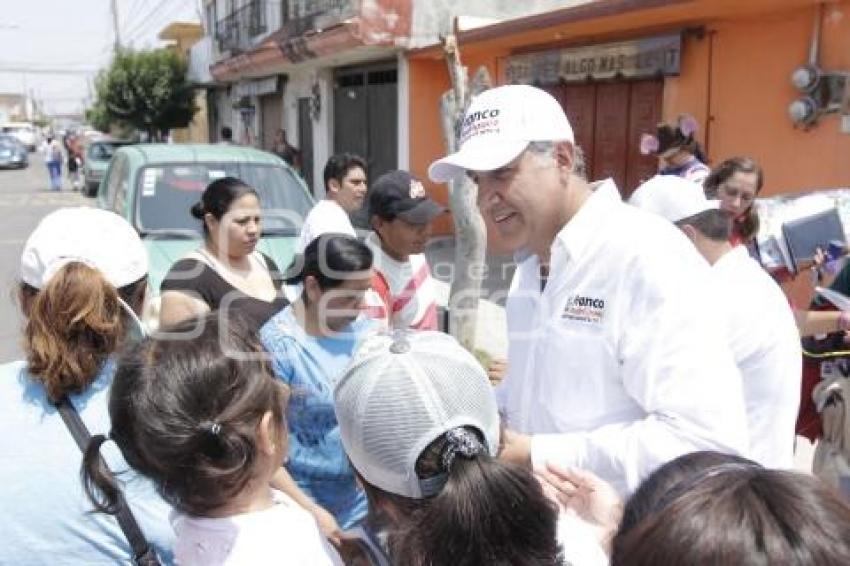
{"x":315,"y":414}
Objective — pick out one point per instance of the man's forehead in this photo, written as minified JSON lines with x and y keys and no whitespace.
{"x":355,"y":172}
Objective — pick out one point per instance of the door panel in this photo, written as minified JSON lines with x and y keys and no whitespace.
{"x":644,"y":115}
{"x":580,"y":105}
{"x":272,"y":116}
{"x":610,"y":136}
{"x":305,"y":142}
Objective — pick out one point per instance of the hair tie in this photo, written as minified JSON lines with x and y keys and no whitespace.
{"x":212,"y":428}
{"x":460,"y":441}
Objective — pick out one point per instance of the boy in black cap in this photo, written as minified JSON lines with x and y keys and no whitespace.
{"x":401,"y":215}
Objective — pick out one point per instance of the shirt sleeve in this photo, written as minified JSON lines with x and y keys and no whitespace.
{"x":676,"y":365}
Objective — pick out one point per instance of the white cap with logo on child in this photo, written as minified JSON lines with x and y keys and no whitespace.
{"x":403,"y":392}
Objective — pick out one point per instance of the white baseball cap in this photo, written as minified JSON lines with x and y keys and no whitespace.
{"x":98,"y":238}
{"x":672,"y":197}
{"x":403,"y":392}
{"x":499,"y":125}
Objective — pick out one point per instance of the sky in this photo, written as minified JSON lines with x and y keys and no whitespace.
{"x":54,"y":48}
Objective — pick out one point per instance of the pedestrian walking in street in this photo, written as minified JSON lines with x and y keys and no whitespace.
{"x":286,"y":151}
{"x":227,"y":271}
{"x":401,"y":214}
{"x":204,"y":420}
{"x":617,"y":357}
{"x":52,"y":153}
{"x":311,"y":343}
{"x":83,"y":280}
{"x":345,"y":191}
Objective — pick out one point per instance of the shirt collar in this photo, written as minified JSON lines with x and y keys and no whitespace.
{"x":584,"y":227}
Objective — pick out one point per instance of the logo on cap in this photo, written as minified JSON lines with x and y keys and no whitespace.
{"x":416,"y":189}
{"x":480,"y":122}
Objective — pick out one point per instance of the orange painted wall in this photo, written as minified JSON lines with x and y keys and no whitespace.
{"x":751,"y":91}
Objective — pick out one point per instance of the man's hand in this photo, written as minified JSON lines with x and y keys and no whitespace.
{"x":497,"y":371}
{"x":516,"y":448}
{"x":591,"y":498}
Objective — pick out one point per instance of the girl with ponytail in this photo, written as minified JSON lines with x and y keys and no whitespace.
{"x":203,"y":419}
{"x":419,"y":423}
{"x":83,"y":279}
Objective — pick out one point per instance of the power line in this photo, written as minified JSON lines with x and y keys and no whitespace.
{"x":146,"y":21}
{"x":161,"y":19}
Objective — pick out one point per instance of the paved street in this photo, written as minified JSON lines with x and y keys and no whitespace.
{"x":24,"y":200}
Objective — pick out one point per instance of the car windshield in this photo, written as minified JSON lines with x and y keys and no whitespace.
{"x":166,"y":193}
{"x":103,"y":151}
{"x":8,"y":143}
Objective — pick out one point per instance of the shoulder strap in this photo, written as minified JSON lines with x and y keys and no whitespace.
{"x":143,"y":554}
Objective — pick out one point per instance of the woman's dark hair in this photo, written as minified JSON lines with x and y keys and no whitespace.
{"x":184,"y":413}
{"x":488,"y":512}
{"x":748,"y":226}
{"x":739,"y":514}
{"x":330,"y":258}
{"x":339,"y":165}
{"x":218,"y":197}
{"x":73,"y":325}
{"x":670,"y":136}
{"x":658,"y":484}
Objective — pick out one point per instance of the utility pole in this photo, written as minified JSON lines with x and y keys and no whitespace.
{"x":115,"y":25}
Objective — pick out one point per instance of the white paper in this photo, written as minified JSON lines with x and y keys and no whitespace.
{"x":841,"y":301}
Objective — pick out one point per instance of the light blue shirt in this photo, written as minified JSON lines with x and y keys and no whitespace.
{"x":311,"y":366}
{"x":46,"y":516}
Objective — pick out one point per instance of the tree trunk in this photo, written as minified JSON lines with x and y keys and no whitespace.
{"x":470,"y":236}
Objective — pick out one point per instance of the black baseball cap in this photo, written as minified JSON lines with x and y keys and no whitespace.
{"x":397,"y":194}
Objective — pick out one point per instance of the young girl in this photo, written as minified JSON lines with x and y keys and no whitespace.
{"x":203,"y":419}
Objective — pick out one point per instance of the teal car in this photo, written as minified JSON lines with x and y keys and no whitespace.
{"x":97,"y":156}
{"x":154,"y":186}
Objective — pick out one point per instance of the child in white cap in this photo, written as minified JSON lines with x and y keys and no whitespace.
{"x":419,"y":423}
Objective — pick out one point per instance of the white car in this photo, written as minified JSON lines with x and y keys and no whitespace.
{"x":24,"y":131}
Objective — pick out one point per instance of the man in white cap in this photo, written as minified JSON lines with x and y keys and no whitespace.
{"x":616,"y":362}
{"x":760,"y":324}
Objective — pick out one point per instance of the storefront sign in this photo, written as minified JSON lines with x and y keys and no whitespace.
{"x":629,"y":59}
{"x":258,"y":87}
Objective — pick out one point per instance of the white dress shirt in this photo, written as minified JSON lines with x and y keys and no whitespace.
{"x":765,"y":343}
{"x":620,"y":364}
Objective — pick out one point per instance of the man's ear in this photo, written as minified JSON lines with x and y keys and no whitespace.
{"x":333,"y":186}
{"x":267,"y":435}
{"x":565,"y":155}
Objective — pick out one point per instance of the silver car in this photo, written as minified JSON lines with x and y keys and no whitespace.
{"x":13,"y":154}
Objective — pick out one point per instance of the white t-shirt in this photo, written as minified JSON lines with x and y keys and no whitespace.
{"x":411,"y":296}
{"x":765,"y":343}
{"x":282,"y":534}
{"x":620,"y":364}
{"x":327,"y":216}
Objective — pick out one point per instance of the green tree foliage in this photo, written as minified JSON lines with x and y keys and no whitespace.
{"x":99,"y":118}
{"x":146,"y":89}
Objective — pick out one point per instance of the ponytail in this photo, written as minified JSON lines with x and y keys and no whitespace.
{"x":99,"y":483}
{"x":73,"y":324}
{"x":489,"y":512}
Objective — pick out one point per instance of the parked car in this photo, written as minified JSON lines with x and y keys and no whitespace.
{"x":24,"y":131}
{"x":12,"y":152}
{"x":97,"y":156}
{"x":154,"y":186}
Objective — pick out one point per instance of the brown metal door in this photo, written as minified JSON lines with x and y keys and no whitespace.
{"x":271,"y":109}
{"x":644,"y":115}
{"x":611,"y":133}
{"x":581,"y":110}
{"x":608,"y":119}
